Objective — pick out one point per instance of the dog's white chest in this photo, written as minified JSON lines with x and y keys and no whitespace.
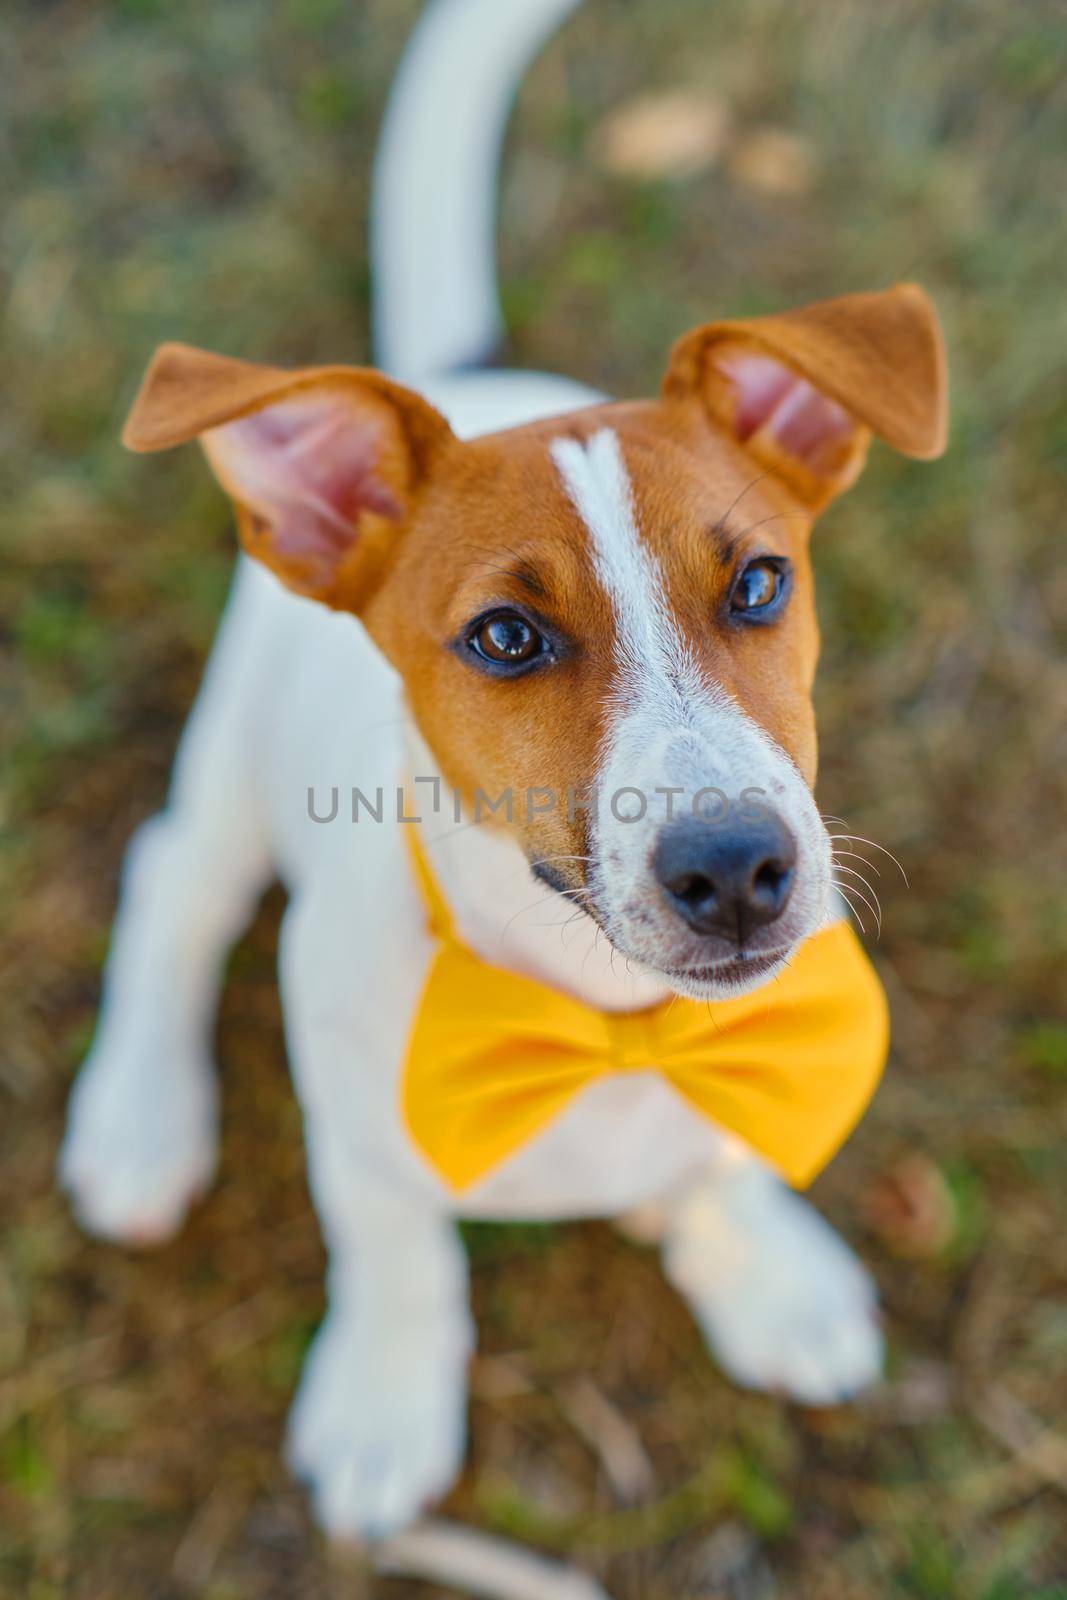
{"x":622,"y":1141}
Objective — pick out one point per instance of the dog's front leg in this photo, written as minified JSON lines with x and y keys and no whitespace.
{"x":783,"y":1303}
{"x":141,"y":1127}
{"x":378,"y":1427}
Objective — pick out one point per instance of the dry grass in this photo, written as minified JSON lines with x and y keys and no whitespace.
{"x":200,"y":171}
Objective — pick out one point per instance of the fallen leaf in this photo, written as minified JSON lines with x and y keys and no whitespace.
{"x":616,"y":1442}
{"x":479,"y":1564}
{"x":774,"y":161}
{"x":911,"y":1208}
{"x":669,"y":135}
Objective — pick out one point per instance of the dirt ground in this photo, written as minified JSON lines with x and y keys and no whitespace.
{"x":200,"y":171}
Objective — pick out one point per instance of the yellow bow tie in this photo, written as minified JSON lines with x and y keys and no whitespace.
{"x":494,"y":1057}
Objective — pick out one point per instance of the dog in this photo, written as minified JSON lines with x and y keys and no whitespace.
{"x":458,"y":583}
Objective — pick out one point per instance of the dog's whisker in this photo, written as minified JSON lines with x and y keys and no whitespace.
{"x":575,"y":896}
{"x":867,"y":885}
{"x":585,"y":958}
{"x":576,"y":917}
{"x":544,"y":860}
{"x":859,"y":838}
{"x":837,"y":854}
{"x":723,"y":520}
{"x":842,"y":889}
{"x":872,"y":906}
{"x":779,"y":516}
{"x":525,"y":910}
{"x":839,"y":866}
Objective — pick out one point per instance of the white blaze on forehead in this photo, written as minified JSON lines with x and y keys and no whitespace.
{"x":596,"y":480}
{"x":673,"y":731}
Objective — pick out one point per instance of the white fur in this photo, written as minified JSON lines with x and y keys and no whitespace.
{"x":654,"y":663}
{"x":297,"y":697}
{"x":672,"y":730}
{"x":435,"y":302}
{"x":782,"y":1301}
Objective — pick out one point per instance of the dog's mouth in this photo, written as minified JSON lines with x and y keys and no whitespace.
{"x":722,"y":979}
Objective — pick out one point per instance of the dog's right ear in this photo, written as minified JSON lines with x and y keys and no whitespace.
{"x":318,"y":462}
{"x":802,"y":392}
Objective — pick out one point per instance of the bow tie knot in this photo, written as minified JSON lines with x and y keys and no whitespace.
{"x":634,"y":1042}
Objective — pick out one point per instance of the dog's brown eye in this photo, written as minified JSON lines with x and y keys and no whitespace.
{"x":758,"y":587}
{"x":507,"y":640}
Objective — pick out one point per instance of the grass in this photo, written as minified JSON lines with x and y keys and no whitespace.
{"x":201,"y":172}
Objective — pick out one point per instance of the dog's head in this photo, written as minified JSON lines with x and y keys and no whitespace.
{"x":608,"y":617}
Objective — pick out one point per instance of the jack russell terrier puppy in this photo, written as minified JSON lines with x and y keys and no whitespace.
{"x":631,"y":984}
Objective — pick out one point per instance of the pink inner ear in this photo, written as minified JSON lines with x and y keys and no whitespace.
{"x":780,"y":405}
{"x":307,"y":467}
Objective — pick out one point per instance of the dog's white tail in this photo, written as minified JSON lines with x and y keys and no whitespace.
{"x":432,"y":228}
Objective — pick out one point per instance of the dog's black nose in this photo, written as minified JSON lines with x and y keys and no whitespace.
{"x":727,"y":878}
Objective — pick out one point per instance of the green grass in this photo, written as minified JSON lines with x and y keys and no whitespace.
{"x":200,"y":172}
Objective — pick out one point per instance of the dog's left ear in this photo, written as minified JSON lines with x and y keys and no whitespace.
{"x":322,"y":464}
{"x":803,"y":392}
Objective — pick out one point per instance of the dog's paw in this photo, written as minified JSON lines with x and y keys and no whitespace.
{"x":140,"y":1146}
{"x":376,"y":1433}
{"x":783,"y":1303}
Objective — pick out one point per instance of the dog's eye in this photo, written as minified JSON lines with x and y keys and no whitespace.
{"x":506,"y":639}
{"x":759,"y":586}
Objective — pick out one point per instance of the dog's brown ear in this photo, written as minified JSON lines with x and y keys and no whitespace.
{"x":317,"y":461}
{"x":804,"y":391}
